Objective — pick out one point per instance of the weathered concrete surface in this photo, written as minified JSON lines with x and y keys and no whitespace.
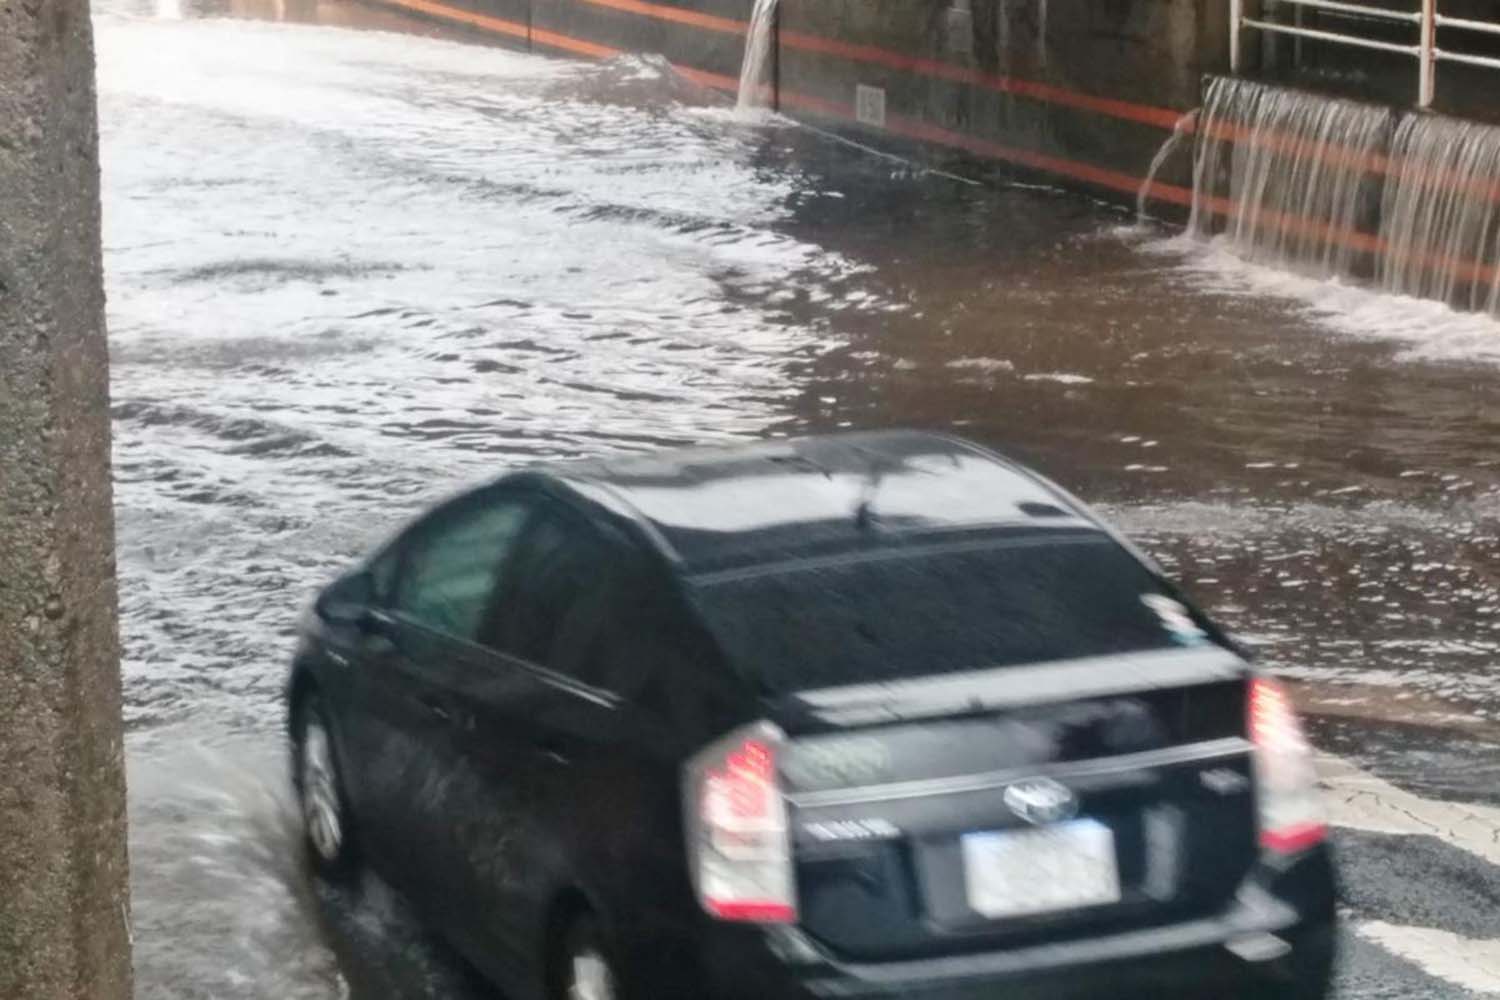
{"x":63,"y":906}
{"x":1019,"y":75}
{"x":700,"y":37}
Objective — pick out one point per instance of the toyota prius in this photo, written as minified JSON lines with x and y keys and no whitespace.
{"x":879,"y":715}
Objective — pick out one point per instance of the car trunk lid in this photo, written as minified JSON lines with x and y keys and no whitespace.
{"x":918,"y":809}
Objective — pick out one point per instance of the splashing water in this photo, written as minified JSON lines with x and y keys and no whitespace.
{"x":757,"y":54}
{"x":216,"y":868}
{"x":1143,"y":198}
{"x":1331,"y":188}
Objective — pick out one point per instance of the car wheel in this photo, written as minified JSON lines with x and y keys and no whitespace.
{"x":320,"y":791}
{"x":587,"y":973}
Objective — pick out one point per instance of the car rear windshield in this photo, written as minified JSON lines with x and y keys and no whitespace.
{"x":913,"y":612}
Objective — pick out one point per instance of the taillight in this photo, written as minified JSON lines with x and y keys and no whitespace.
{"x":1291,"y":812}
{"x":739,"y":848}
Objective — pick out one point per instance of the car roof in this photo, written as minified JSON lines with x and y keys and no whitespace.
{"x":722,"y":509}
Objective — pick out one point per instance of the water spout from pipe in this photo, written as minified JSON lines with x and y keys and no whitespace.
{"x":1143,"y":197}
{"x":757,"y":55}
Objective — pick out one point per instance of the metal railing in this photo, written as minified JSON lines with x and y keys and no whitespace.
{"x":1428,"y":19}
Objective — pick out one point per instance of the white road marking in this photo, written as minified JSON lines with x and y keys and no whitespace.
{"x":1472,"y":965}
{"x":1360,"y":801}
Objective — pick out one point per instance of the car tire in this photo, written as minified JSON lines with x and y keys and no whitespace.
{"x":327,"y":828}
{"x":586,"y":970}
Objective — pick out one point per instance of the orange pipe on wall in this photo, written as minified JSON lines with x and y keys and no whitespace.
{"x":679,"y":15}
{"x":498,"y":25}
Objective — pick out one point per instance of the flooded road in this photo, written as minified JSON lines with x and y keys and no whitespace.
{"x":350,"y":271}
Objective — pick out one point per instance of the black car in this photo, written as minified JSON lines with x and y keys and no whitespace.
{"x":876,"y":715}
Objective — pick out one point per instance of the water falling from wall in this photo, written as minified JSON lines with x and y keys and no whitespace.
{"x":1441,"y":212}
{"x":757,"y":55}
{"x":1282,"y":174}
{"x":1409,"y":202}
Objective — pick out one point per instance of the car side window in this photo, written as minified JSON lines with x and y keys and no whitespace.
{"x":557,"y":591}
{"x":452,"y":563}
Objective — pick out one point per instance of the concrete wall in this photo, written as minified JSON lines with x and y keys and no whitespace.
{"x":1081,"y":92}
{"x":63,"y":911}
{"x":704,"y":35}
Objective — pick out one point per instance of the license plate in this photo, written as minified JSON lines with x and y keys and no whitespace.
{"x":1061,"y":867}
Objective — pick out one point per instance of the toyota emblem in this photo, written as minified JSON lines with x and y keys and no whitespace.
{"x":1040,"y":801}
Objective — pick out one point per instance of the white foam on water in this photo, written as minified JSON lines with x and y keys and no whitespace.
{"x":1430,"y":330}
{"x":1064,"y":378}
{"x":217,"y":870}
{"x":985,"y":365}
{"x":1262,"y":151}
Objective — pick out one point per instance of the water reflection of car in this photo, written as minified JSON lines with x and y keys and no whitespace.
{"x":876,"y":715}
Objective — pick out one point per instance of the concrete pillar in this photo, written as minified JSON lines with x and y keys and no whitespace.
{"x":63,"y":904}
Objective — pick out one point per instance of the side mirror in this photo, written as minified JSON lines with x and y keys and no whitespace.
{"x":348,"y":600}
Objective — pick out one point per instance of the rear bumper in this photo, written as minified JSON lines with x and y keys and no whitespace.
{"x":1276,"y":940}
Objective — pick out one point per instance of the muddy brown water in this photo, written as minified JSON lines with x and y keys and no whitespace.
{"x":352,"y":270}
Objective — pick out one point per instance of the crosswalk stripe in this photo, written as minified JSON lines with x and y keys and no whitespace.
{"x":1472,"y":965}
{"x":1358,"y":800}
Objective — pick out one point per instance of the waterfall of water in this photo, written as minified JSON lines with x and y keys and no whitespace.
{"x":757,"y":54}
{"x":1440,"y":217}
{"x":1340,"y":189}
{"x":1285,"y":175}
